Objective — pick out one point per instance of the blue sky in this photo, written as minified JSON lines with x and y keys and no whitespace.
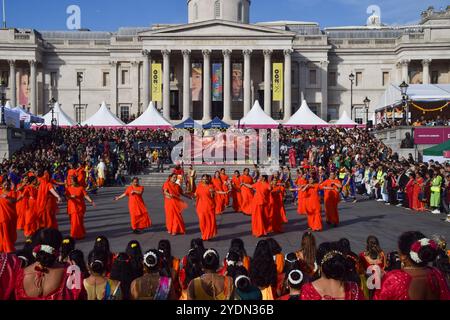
{"x":110,"y":15}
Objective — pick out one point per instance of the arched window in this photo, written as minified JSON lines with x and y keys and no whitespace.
{"x":239,"y":13}
{"x":195,"y":11}
{"x":217,"y":9}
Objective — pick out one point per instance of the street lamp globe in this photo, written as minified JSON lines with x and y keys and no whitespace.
{"x":351,"y":77}
{"x":366,"y":102}
{"x":403,"y":88}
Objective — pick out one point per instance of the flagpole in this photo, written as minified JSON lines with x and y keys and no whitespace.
{"x":4,"y":14}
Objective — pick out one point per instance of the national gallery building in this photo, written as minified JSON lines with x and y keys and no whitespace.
{"x":218,"y":64}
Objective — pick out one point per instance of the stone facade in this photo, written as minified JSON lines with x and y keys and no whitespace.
{"x":115,"y":66}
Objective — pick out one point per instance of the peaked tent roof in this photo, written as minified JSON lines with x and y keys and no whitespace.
{"x":151,"y":119}
{"x":437,"y":150}
{"x":103,"y":118}
{"x":189,"y":123}
{"x":256,"y":118}
{"x":305,"y":118}
{"x":345,"y":121}
{"x":62,"y":119}
{"x":216,"y":123}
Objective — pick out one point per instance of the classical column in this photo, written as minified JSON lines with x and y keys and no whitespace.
{"x":426,"y":71}
{"x":206,"y":85}
{"x":324,"y":88}
{"x":146,"y":78}
{"x":135,"y":88}
{"x":166,"y":83}
{"x":12,"y":82}
{"x":114,"y":65}
{"x":267,"y":82}
{"x":186,"y":84}
{"x":33,"y":82}
{"x":227,"y":85}
{"x":247,"y":81}
{"x":405,"y":74}
{"x":287,"y":84}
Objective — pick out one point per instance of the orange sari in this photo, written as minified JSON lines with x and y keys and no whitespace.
{"x":246,"y":195}
{"x":174,"y":208}
{"x":331,"y":201}
{"x":260,"y":213}
{"x":301,"y":207}
{"x":416,"y":203}
{"x":225,"y":179}
{"x":76,"y":208}
{"x":46,"y":203}
{"x":219,"y":199}
{"x":31,"y":214}
{"x":206,"y":211}
{"x":21,"y":207}
{"x":236,"y":193}
{"x":138,"y":211}
{"x":313,"y":208}
{"x":277,"y":213}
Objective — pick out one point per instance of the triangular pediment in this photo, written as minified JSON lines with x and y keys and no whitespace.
{"x":216,"y":28}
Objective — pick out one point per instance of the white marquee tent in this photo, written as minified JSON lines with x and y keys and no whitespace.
{"x":256,"y":118}
{"x":345,"y":121}
{"x":103,"y":118}
{"x":62,"y":119}
{"x":305,"y":118}
{"x":151,"y":119}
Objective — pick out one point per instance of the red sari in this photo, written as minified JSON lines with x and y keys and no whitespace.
{"x":138,"y":211}
{"x":277,"y":212}
{"x":236,"y":193}
{"x":174,"y":208}
{"x":31,"y":214}
{"x":352,"y":292}
{"x":219,"y":199}
{"x":416,"y":203}
{"x":331,"y":201}
{"x":8,"y":223}
{"x":395,"y":285}
{"x":47,"y":207}
{"x":246,"y":195}
{"x":313,"y":208}
{"x":76,"y":208}
{"x":301,"y":207}
{"x":260,"y":212}
{"x":9,"y":267}
{"x":206,"y":211}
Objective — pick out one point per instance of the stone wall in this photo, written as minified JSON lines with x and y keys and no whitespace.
{"x":12,"y":140}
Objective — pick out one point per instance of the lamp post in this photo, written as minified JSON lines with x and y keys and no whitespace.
{"x":366,"y":104}
{"x":3,"y":98}
{"x":52,"y":107}
{"x":351,"y":77}
{"x":404,"y":91}
{"x":79,"y":81}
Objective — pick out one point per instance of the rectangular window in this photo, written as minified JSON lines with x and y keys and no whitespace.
{"x":125,"y":113}
{"x":358,"y":79}
{"x":105,"y":80}
{"x":5,"y":78}
{"x":125,"y":77}
{"x":80,"y":77}
{"x":313,"y":76}
{"x":332,"y":79}
{"x":434,"y":77}
{"x":385,"y":78}
{"x":333,"y":112}
{"x":53,"y":79}
{"x":80,"y":112}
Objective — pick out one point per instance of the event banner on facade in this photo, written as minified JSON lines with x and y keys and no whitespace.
{"x":237,"y":81}
{"x":277,"y":82}
{"x":197,"y":82}
{"x":217,"y":82}
{"x":431,"y":135}
{"x":156,"y":82}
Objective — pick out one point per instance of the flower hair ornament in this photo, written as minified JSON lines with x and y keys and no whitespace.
{"x":66,"y":241}
{"x":150,"y":254}
{"x":133,"y":245}
{"x":330,"y":255}
{"x":239,"y":278}
{"x":44,"y":248}
{"x":300,"y":279}
{"x":415,"y":248}
{"x":208,"y":252}
{"x":99,"y":239}
{"x":286,"y":258}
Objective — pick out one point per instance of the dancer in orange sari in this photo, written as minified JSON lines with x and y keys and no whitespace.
{"x":205,"y":208}
{"x":219,"y":194}
{"x":226,"y":186}
{"x":31,"y":214}
{"x":72,"y":172}
{"x":76,"y":208}
{"x":277,"y":212}
{"x":81,"y":175}
{"x":236,"y":191}
{"x":47,"y":202}
{"x":313,"y":207}
{"x":300,"y":183}
{"x":260,"y":212}
{"x":174,"y":206}
{"x":21,"y":204}
{"x":418,"y":188}
{"x":8,"y":218}
{"x":246,"y":192}
{"x":138,"y":211}
{"x":332,"y":198}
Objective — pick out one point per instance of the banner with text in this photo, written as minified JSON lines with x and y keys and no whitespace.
{"x":156,"y":82}
{"x":431,"y":135}
{"x":217,"y":82}
{"x":277,"y":82}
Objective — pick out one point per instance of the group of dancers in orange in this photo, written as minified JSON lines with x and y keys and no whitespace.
{"x":33,"y":204}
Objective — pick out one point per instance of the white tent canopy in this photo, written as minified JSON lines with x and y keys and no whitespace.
{"x":62,"y":119}
{"x":151,"y":119}
{"x":305,"y":118}
{"x":416,"y":92}
{"x":345,"y":121}
{"x":103,"y":118}
{"x":256,"y":118}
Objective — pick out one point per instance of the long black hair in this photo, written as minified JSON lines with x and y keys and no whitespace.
{"x":193,"y":268}
{"x":77,"y":257}
{"x":48,"y":237}
{"x":122,"y":271}
{"x":134,"y":251}
{"x":263,"y":271}
{"x":165,"y":251}
{"x":67,"y":246}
